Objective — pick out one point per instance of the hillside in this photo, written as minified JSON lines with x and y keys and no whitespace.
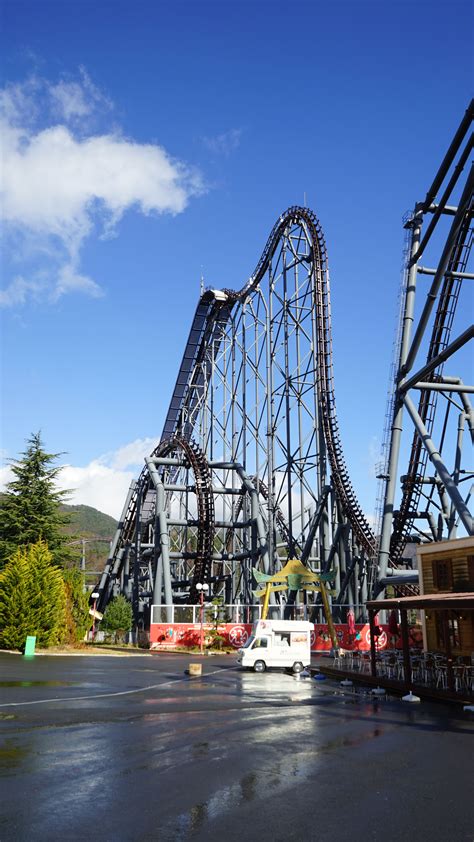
{"x":91,"y":532}
{"x":88,"y":522}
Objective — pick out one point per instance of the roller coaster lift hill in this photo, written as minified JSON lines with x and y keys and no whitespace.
{"x":250,"y":471}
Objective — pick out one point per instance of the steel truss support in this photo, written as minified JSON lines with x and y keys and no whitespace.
{"x":429,"y":331}
{"x":250,"y":469}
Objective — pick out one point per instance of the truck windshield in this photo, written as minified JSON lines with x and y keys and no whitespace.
{"x":249,"y":642}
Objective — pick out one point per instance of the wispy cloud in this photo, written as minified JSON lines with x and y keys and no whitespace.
{"x":19,"y":290}
{"x":78,"y":99}
{"x":62,"y":184}
{"x":223,"y":144}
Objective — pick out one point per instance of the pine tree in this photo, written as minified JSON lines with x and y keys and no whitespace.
{"x":32,"y":598}
{"x":118,"y":616}
{"x":30,"y":510}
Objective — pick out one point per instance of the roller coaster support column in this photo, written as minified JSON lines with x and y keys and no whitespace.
{"x":106,"y":577}
{"x":136,"y":559}
{"x":397,"y":424}
{"x":441,"y":469}
{"x":458,"y":221}
{"x":255,"y":515}
{"x":164,"y":540}
{"x":457,"y":465}
{"x":314,"y":523}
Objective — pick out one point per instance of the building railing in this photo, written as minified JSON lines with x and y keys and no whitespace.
{"x":247,"y":614}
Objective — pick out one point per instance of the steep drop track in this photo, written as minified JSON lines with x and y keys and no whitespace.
{"x":213,"y":312}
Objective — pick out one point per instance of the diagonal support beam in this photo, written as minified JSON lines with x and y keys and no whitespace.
{"x":454,"y":346}
{"x":440,"y":467}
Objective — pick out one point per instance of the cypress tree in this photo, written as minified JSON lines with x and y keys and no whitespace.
{"x":78,"y":619}
{"x":32,"y":598}
{"x":47,"y":594}
{"x":15,"y":614}
{"x":30,"y":510}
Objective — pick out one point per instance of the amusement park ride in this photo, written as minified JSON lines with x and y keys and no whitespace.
{"x":249,"y":473}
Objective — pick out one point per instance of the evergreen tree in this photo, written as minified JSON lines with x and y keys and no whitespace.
{"x":47,"y":595}
{"x":118,"y":616}
{"x":14,"y":602}
{"x":78,"y":619}
{"x":32,"y":598}
{"x":30,"y":510}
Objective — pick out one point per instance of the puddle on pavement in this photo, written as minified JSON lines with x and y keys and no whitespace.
{"x":36,"y":683}
{"x":11,"y":755}
{"x":256,"y":785}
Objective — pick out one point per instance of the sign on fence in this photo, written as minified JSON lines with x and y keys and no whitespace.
{"x":174,"y":635}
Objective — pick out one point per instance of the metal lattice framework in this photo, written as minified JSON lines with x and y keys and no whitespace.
{"x":432,"y":361}
{"x":254,"y":402}
{"x":250,"y":468}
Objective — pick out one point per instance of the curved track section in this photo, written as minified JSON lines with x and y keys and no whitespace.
{"x":214,"y":309}
{"x":213,"y":314}
{"x":196,"y":460}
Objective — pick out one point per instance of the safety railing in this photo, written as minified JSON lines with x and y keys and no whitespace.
{"x":247,"y":614}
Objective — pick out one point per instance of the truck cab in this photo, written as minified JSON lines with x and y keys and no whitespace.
{"x":277,"y":643}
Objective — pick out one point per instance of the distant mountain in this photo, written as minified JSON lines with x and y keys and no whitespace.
{"x":89,"y":522}
{"x":91,"y":532}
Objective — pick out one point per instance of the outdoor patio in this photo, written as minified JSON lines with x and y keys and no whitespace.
{"x":447,"y":674}
{"x":429,"y":670}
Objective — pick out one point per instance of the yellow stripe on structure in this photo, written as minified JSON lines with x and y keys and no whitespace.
{"x":266,"y":601}
{"x":331,"y":629}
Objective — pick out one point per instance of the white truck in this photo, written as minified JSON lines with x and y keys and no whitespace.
{"x":277,"y":643}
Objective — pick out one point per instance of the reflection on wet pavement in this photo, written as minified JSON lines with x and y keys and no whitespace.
{"x":230,"y":756}
{"x":36,"y":683}
{"x":259,"y":785}
{"x":11,"y":755}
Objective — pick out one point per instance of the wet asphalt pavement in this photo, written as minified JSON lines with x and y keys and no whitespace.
{"x":129,"y":748}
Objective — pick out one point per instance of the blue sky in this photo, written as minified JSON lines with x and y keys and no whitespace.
{"x":149,"y":142}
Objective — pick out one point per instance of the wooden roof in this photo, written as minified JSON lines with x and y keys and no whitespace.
{"x":435,"y":601}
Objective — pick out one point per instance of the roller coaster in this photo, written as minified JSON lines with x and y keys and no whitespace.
{"x":250,"y":469}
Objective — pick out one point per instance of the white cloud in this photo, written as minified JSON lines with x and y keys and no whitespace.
{"x":19,"y":290}
{"x":104,"y":482}
{"x":6,"y":475}
{"x":131,"y":455}
{"x":69,"y":280}
{"x":61,"y":187}
{"x":225,"y":143}
{"x":71,"y":100}
{"x":96,"y":485}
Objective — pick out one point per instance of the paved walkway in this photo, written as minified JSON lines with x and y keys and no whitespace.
{"x":126,"y":749}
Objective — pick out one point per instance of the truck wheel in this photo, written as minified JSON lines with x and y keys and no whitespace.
{"x":298,"y":667}
{"x":259,"y":666}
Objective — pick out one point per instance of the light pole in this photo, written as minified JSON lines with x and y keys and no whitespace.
{"x":95,"y":597}
{"x":202,"y":590}
{"x":83,"y":542}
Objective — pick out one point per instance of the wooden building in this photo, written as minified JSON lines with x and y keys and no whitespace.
{"x":447,"y":567}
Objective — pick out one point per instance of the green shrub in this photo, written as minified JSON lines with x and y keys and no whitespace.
{"x":32,"y":598}
{"x":117,"y":617}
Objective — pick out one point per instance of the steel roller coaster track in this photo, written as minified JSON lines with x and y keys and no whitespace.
{"x":279,"y":321}
{"x":213,"y":311}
